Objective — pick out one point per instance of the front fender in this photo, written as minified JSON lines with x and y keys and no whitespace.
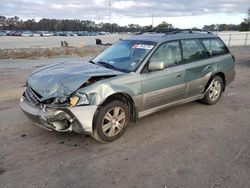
{"x":129,"y":84}
{"x":103,"y":91}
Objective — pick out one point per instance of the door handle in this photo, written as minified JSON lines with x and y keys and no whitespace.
{"x":178,"y":75}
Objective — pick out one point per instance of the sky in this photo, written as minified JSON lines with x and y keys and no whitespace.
{"x":180,"y":13}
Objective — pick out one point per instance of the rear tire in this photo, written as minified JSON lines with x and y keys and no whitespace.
{"x":111,"y":121}
{"x":214,"y":92}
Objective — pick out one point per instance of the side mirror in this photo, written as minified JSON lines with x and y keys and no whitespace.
{"x":156,"y":65}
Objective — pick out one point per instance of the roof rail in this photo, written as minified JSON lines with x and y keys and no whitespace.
{"x":173,"y":31}
{"x":157,"y":31}
{"x":195,"y":30}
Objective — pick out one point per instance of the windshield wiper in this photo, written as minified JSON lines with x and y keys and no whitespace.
{"x":92,"y":62}
{"x":105,"y":64}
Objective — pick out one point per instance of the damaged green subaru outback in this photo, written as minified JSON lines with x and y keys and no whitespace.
{"x":131,"y":79}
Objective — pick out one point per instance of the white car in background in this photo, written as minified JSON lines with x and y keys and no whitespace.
{"x":47,"y":34}
{"x":27,"y":34}
{"x":36,"y":35}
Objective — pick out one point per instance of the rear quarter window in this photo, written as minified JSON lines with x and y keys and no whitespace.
{"x":215,"y":47}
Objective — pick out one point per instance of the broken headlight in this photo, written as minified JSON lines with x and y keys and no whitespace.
{"x":79,"y":99}
{"x":59,"y":100}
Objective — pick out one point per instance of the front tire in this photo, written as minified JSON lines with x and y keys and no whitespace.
{"x":214,"y":92}
{"x":111,"y":121}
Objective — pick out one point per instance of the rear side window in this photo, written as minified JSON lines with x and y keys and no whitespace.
{"x":192,"y":50}
{"x":214,"y":47}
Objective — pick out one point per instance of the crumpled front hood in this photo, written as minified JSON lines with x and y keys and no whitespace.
{"x":62,"y":79}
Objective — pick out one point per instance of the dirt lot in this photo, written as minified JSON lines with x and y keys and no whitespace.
{"x":192,"y":145}
{"x":9,"y":42}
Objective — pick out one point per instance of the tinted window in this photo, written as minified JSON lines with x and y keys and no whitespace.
{"x":192,"y":50}
{"x":168,"y":53}
{"x":214,"y":46}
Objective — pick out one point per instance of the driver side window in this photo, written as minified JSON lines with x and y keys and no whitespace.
{"x":168,"y":53}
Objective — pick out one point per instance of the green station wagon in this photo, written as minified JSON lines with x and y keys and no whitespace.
{"x":131,"y":79}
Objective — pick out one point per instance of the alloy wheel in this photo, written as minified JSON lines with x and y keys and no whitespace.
{"x":215,"y":90}
{"x":113,"y":121}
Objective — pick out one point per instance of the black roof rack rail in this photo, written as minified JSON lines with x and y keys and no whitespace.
{"x":173,"y":31}
{"x":196,"y":30}
{"x":157,"y":31}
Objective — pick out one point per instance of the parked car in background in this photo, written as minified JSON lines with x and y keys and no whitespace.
{"x":10,"y":33}
{"x":102,"y":33}
{"x":18,"y":33}
{"x":47,"y":34}
{"x":131,"y":79}
{"x":2,"y":33}
{"x":62,"y":33}
{"x":27,"y":34}
{"x":36,"y":34}
{"x":73,"y":34}
{"x":82,"y":33}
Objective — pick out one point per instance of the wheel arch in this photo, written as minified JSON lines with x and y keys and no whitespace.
{"x":124,"y":97}
{"x":220,"y":74}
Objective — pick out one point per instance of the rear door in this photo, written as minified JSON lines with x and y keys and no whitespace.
{"x":198,"y":67}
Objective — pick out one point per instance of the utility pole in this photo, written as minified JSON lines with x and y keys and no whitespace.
{"x":110,"y":16}
{"x":152,"y":20}
{"x":109,"y":12}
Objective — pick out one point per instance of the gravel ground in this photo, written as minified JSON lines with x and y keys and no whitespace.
{"x":191,"y":145}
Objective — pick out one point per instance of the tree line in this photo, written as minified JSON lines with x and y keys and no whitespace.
{"x":15,"y":23}
{"x":243,"y":26}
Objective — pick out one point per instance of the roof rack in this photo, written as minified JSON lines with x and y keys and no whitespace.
{"x":173,"y":31}
{"x":196,"y":30}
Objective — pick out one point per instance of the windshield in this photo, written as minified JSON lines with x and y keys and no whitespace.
{"x":125,"y":55}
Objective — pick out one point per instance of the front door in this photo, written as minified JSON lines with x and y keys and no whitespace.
{"x":164,"y":86}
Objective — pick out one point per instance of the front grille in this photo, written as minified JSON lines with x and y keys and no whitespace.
{"x":31,"y":96}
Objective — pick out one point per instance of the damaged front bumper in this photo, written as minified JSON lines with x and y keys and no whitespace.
{"x":76,"y":119}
